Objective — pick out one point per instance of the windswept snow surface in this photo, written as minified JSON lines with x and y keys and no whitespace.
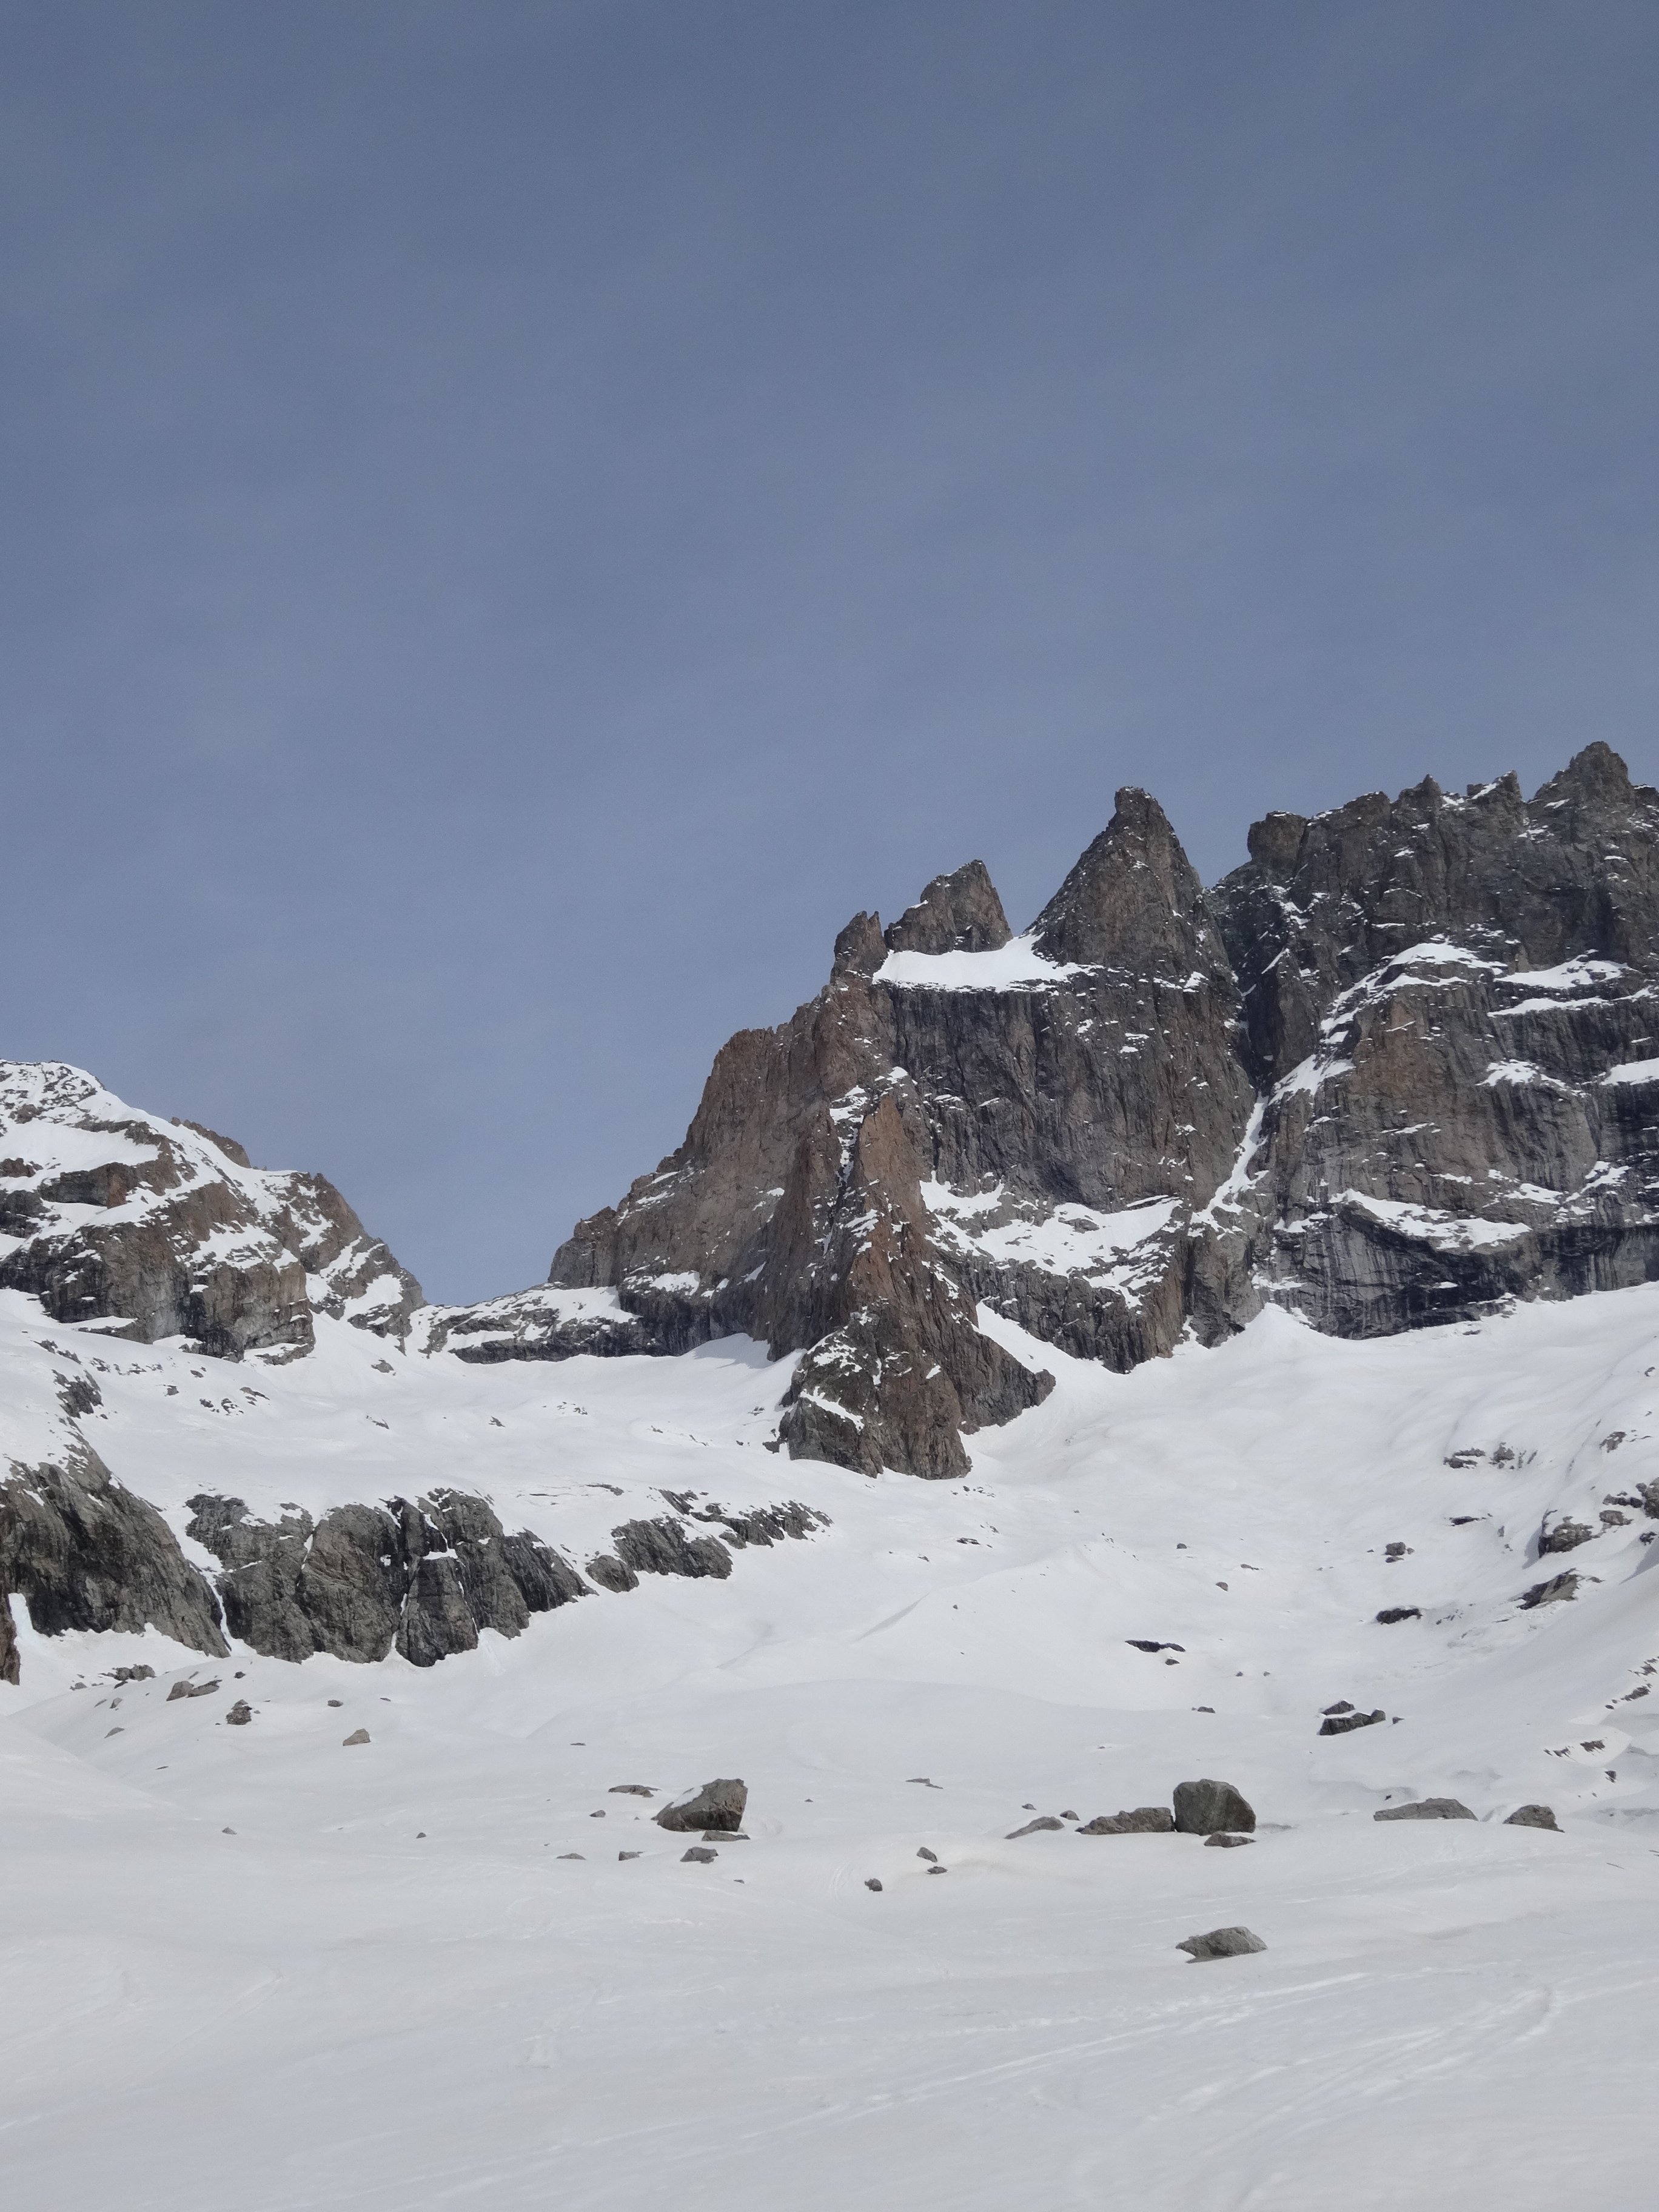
{"x":249,"y":1966}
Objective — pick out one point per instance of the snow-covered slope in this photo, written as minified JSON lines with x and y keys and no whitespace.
{"x":215,"y":1931}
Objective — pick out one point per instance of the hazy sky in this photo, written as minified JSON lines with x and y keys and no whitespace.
{"x":518,"y":519}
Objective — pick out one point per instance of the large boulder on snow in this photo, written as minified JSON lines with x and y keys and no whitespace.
{"x":1212,"y":1808}
{"x":719,"y":1805}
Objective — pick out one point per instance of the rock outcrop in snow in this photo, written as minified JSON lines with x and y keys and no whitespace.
{"x":1401,"y":1067}
{"x":166,"y":1229}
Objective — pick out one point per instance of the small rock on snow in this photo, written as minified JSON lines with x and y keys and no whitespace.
{"x":358,"y":1736}
{"x":1224,"y":1843}
{"x":1043,"y":1820}
{"x":1426,"y":1808}
{"x":1222,"y":1943}
{"x":698,"y":1854}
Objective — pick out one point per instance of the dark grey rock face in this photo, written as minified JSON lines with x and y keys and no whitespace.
{"x":10,"y":1658}
{"x":1346,"y":1723}
{"x":1426,"y":1808}
{"x":1208,"y":1808}
{"x":662,"y":1548}
{"x":1446,"y":1004}
{"x":719,"y":1805}
{"x":83,"y":1552}
{"x":367,"y":1579}
{"x":1222,"y":1943}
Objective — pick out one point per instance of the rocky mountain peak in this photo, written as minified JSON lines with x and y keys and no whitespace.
{"x":1133,"y":900}
{"x":958,"y":912}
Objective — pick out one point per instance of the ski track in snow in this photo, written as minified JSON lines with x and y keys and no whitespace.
{"x":322,"y":2010}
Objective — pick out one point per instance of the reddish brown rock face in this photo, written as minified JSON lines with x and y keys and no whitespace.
{"x":1339,"y":1081}
{"x":958,"y":1116}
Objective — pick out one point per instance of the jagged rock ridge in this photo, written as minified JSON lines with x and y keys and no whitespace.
{"x":1401,"y":1066}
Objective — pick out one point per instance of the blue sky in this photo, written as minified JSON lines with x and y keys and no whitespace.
{"x":518,"y":519}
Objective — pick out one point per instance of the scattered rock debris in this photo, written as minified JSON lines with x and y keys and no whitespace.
{"x":193,"y":1690}
{"x":1344,"y":1723}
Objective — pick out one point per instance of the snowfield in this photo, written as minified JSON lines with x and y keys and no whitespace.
{"x":253,"y":1966}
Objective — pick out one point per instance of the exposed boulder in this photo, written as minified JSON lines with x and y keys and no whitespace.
{"x":1222,"y":1943}
{"x":1555,"y":1591}
{"x":1532,"y":1816}
{"x":719,"y":1805}
{"x":1346,"y":1723}
{"x":1144,"y":1820}
{"x":1043,"y":1820}
{"x":1426,"y":1808}
{"x":1224,"y":1843}
{"x":1563,"y":1535}
{"x":1208,"y":1808}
